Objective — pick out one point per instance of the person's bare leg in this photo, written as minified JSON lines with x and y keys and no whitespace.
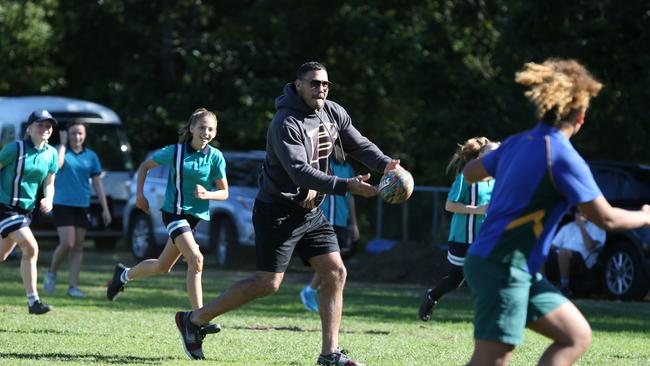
{"x":240,"y":293}
{"x":7,"y":246}
{"x":163,"y":264}
{"x":190,"y":250}
{"x":331,"y":270}
{"x":76,"y":255}
{"x":490,"y":353}
{"x":29,"y":247}
{"x":66,"y":241}
{"x":315,"y":282}
{"x":570,"y":332}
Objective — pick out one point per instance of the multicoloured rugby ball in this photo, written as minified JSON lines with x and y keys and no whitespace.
{"x":396,"y":186}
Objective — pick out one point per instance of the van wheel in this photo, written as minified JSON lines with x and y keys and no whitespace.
{"x":105,"y":244}
{"x":226,"y":246}
{"x":141,"y":237}
{"x":624,"y":276}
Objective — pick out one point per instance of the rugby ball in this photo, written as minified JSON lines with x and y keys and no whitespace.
{"x":396,"y":186}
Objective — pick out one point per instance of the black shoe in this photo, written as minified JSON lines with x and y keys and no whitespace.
{"x":191,"y":335}
{"x":39,"y":308}
{"x":426,"y":308}
{"x":115,"y":285}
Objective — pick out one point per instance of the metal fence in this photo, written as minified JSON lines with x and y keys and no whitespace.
{"x":422,"y":218}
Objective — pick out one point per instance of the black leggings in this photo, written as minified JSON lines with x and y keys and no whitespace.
{"x":450,"y":282}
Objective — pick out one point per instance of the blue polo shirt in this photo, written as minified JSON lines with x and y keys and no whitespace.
{"x":189,"y":168}
{"x":464,"y":227}
{"x":24,"y":168}
{"x":72,"y":184}
{"x":335,"y":207}
{"x":528,"y":202}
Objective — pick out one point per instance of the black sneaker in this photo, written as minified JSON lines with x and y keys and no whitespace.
{"x":115,"y":285}
{"x":191,"y":335}
{"x":338,"y":358}
{"x":210,"y":328}
{"x":426,"y":308}
{"x":39,"y":308}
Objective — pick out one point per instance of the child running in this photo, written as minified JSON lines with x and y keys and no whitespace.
{"x":77,"y":166}
{"x":24,"y":166}
{"x":538,"y":176}
{"x":195,"y":166}
{"x":468,"y":203}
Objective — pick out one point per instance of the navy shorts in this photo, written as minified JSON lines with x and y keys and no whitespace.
{"x":178,"y":224}
{"x":457,"y":252}
{"x":281,"y":228}
{"x":13,"y":218}
{"x":71,"y":216}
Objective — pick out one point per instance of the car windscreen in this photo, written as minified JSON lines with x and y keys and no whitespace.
{"x":242,"y":171}
{"x":110,"y":143}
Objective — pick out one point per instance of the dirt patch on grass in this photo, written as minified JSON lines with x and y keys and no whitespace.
{"x":406,"y":263}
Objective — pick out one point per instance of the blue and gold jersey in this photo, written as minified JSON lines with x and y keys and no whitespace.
{"x":538,"y":176}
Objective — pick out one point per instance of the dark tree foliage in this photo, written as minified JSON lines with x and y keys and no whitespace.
{"x":417,"y":77}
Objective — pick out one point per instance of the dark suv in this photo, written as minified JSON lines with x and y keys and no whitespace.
{"x":622,"y":270}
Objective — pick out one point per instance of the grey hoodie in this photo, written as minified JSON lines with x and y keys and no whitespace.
{"x":291,"y":170}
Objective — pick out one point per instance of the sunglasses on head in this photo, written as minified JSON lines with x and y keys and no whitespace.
{"x":316,"y":83}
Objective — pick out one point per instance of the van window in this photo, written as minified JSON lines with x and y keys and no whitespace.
{"x":7,"y":135}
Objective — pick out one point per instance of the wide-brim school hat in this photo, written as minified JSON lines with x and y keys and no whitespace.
{"x":41,"y":115}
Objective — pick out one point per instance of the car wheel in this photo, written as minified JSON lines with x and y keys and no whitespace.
{"x":224,"y":237}
{"x":624,"y":276}
{"x":141,"y":237}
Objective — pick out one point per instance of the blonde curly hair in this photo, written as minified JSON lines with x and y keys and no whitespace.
{"x":469,"y":150}
{"x":559,"y":88}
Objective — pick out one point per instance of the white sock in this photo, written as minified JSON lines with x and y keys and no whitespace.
{"x":125,"y":276}
{"x":32,"y":298}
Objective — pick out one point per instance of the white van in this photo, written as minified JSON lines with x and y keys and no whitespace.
{"x":106,"y":136}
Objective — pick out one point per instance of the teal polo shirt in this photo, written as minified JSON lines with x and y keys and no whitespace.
{"x":335,"y":207}
{"x":72,"y":184}
{"x":464,"y":227}
{"x":189,"y":168}
{"x":24,"y":168}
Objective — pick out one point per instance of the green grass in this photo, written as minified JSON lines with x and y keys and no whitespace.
{"x":379,"y":325}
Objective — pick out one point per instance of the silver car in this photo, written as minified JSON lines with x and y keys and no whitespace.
{"x":228,"y":233}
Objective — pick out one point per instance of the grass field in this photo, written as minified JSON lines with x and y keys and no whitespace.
{"x":379,"y":325}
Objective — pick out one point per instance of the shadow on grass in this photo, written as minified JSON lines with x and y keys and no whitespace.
{"x":115,"y":360}
{"x":299,"y":329}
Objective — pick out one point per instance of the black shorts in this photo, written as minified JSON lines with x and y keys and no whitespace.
{"x":178,"y":224}
{"x":13,"y":218}
{"x":457,"y":252}
{"x":71,"y":216}
{"x":282,"y":227}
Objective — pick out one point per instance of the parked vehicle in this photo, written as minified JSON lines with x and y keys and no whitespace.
{"x":622,"y":270}
{"x":106,"y":137}
{"x":230,"y":230}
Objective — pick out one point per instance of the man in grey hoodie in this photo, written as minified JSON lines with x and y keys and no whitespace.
{"x":294,"y":179}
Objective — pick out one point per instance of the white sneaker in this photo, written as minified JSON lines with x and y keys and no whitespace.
{"x":76,"y":293}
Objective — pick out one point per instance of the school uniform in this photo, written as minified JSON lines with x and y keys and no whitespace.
{"x":181,"y":210}
{"x":464,"y":227}
{"x":72,"y":187}
{"x":539,"y":175}
{"x":24,"y":170}
{"x":337,"y":208}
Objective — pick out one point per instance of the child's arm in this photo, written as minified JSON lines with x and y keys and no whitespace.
{"x":140,"y":200}
{"x":220,"y":194}
{"x":461,"y":208}
{"x":48,"y":193}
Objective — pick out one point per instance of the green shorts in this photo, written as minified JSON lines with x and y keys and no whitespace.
{"x":507,"y":299}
